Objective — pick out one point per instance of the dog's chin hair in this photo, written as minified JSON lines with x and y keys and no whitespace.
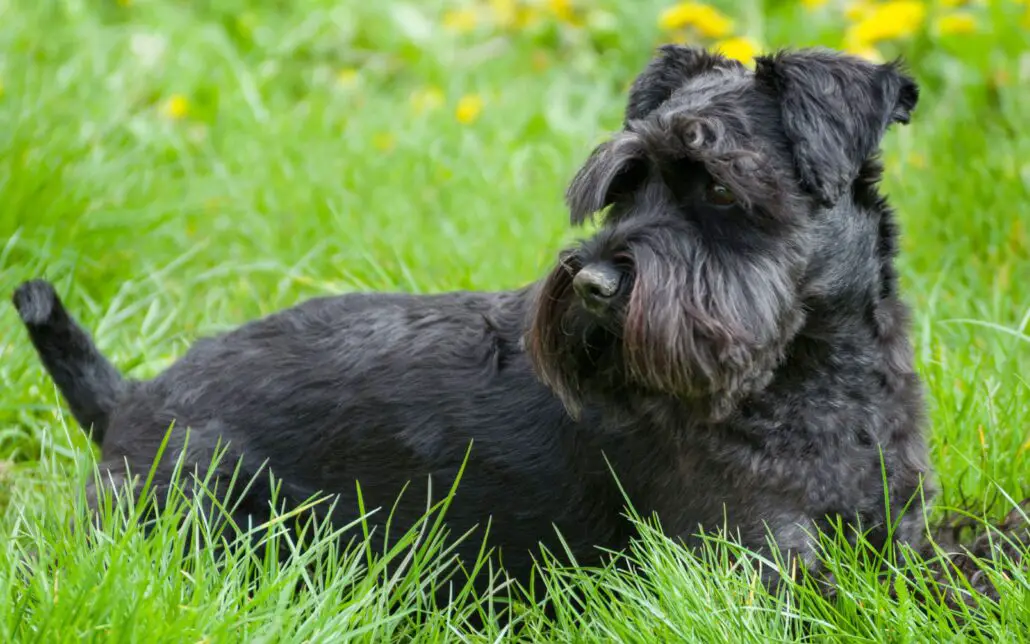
{"x":708,"y":336}
{"x":548,"y":343}
{"x":669,"y":342}
{"x":705,"y":337}
{"x":576,"y":353}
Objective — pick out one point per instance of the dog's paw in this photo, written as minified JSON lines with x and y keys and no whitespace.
{"x":36,"y":302}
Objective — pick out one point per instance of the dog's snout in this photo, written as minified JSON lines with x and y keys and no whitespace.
{"x":597,"y":284}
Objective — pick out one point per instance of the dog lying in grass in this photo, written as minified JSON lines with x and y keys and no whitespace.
{"x":729,"y":351}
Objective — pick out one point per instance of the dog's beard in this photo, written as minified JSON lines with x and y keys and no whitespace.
{"x":570,"y":347}
{"x":696,"y":327}
{"x":707,"y":328}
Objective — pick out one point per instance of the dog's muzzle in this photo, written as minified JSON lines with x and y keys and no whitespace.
{"x":597,"y":286}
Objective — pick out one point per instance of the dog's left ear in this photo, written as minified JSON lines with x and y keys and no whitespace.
{"x":835,"y":110}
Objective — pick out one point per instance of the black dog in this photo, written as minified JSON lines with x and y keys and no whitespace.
{"x":731,"y":345}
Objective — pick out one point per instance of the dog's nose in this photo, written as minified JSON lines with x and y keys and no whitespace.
{"x":597,"y":284}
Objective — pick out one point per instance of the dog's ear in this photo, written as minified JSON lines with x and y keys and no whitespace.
{"x":614,"y":169}
{"x":835,"y":110}
{"x":671,"y":67}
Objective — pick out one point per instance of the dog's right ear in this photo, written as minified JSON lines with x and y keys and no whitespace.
{"x":614,"y":169}
{"x":672,"y":66}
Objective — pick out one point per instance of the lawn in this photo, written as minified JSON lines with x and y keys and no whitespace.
{"x":177,"y":168}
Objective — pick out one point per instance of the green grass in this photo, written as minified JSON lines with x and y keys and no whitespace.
{"x":283,"y":183}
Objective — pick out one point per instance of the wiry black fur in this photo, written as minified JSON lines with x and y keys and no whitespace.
{"x":750,"y":372}
{"x":91,"y":385}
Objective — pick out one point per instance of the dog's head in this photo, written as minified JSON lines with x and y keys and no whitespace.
{"x":719,"y":194}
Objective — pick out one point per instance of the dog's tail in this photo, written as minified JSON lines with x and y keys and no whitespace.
{"x":89,"y":383}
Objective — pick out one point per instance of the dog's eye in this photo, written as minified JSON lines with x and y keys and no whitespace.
{"x":719,"y":195}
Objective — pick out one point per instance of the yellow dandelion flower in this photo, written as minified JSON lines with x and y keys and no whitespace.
{"x":177,"y":107}
{"x":469,"y":108}
{"x":705,"y":19}
{"x":955,"y":23}
{"x":888,"y":21}
{"x":562,"y":10}
{"x":384,"y":141}
{"x":347,"y":77}
{"x":426,"y":100}
{"x":738,"y":48}
{"x":510,"y":14}
{"x":813,"y":4}
{"x":460,"y":20}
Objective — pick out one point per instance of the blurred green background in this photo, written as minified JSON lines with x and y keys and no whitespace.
{"x":180,"y":167}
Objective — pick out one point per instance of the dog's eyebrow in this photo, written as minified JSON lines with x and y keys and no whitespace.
{"x":726,"y":153}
